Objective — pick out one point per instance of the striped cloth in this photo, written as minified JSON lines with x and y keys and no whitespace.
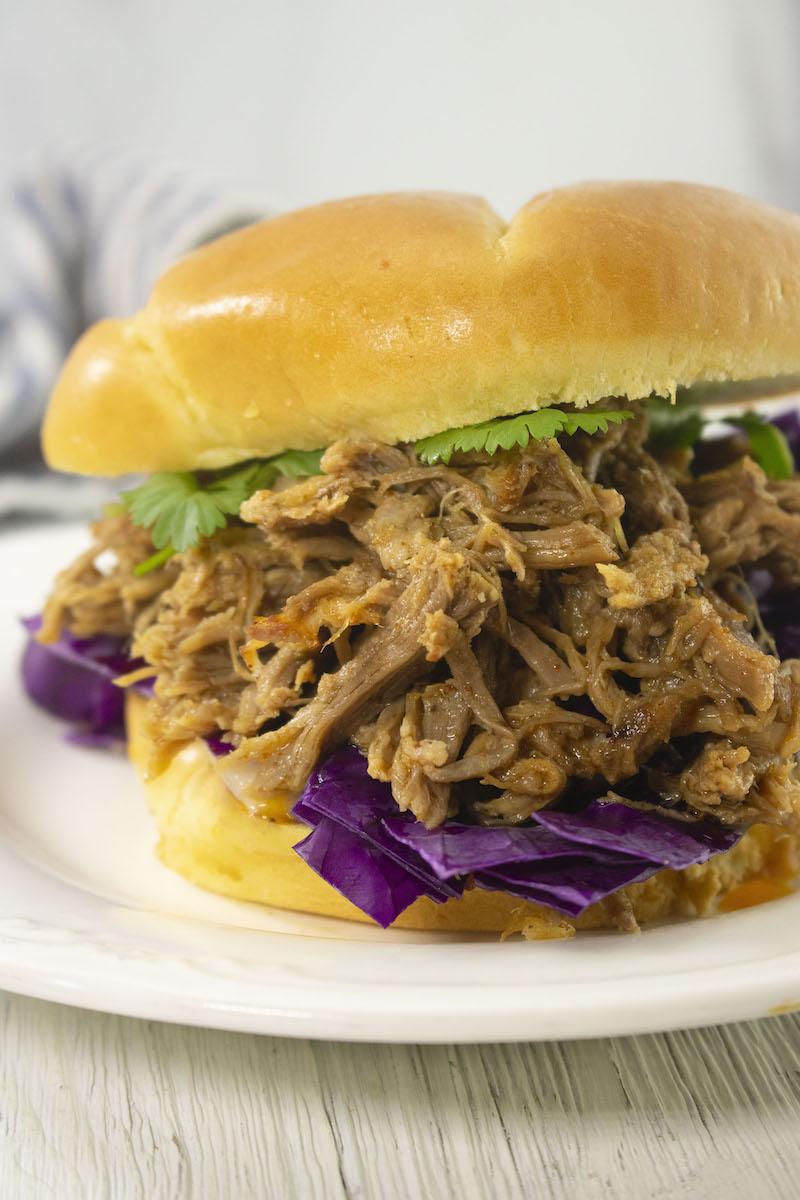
{"x":78,"y":243}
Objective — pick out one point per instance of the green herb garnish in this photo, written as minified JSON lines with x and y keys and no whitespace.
{"x":676,"y":426}
{"x":504,"y":433}
{"x":679,"y":426}
{"x":155,"y":560}
{"x":768,"y":445}
{"x":113,"y":509}
{"x":296,"y":463}
{"x":180,"y":507}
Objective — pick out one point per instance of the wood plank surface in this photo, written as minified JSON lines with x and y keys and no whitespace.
{"x":95,"y":1107}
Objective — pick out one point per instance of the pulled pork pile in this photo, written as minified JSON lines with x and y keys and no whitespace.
{"x":496,"y":635}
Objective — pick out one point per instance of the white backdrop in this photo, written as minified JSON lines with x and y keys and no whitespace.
{"x":308,"y":99}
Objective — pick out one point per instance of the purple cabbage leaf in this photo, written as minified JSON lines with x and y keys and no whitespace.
{"x":382,"y":860}
{"x":570,"y":885}
{"x":217,"y":746}
{"x":372,"y":881}
{"x":72,"y":678}
{"x":342,"y":794}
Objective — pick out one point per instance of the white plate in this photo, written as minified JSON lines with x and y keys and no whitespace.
{"x":89,"y":917}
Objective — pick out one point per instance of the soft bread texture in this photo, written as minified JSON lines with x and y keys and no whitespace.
{"x":206,"y":835}
{"x":393,"y":317}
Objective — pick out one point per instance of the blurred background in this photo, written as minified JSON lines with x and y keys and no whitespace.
{"x":134,"y":128}
{"x":302,"y":100}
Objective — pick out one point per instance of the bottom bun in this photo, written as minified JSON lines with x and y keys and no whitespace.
{"x":210,"y":838}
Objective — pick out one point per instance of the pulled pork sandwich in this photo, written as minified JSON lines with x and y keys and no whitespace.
{"x":436,"y":608}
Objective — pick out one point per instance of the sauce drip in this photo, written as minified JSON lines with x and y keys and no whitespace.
{"x":756,"y":891}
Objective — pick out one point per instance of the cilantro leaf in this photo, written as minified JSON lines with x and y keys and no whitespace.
{"x":768,"y":445}
{"x":180,"y":507}
{"x":676,"y":426}
{"x":680,"y":425}
{"x":504,"y":433}
{"x":294,"y":463}
{"x":230,"y":489}
{"x":174,"y":506}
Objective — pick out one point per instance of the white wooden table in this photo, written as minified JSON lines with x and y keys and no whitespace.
{"x":95,"y":1107}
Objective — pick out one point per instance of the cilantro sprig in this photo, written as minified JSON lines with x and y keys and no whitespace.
{"x":674,"y":426}
{"x":180,"y":507}
{"x":768,"y":445}
{"x":679,"y":426}
{"x":504,"y":433}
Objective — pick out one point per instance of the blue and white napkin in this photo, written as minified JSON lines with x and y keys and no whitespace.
{"x":78,"y":242}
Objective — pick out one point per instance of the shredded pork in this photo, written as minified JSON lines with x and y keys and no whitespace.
{"x":496,"y":635}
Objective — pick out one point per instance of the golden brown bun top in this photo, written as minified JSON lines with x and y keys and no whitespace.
{"x":397,"y":316}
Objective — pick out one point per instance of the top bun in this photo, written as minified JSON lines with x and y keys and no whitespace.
{"x":393,"y":317}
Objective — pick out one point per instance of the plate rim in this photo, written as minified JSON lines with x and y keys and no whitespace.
{"x":151,"y":984}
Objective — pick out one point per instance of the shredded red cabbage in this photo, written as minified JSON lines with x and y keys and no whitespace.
{"x":382,"y":860}
{"x":217,"y":747}
{"x":72,"y":679}
{"x":343,"y":794}
{"x":374,"y":882}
